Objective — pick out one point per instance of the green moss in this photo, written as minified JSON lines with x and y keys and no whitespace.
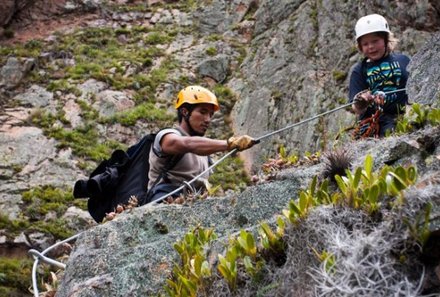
{"x":88,"y":113}
{"x":84,"y":142}
{"x":214,"y":37}
{"x":58,"y":228}
{"x":145,"y":111}
{"x":339,"y":76}
{"x":211,"y":51}
{"x":230,"y":174}
{"x":42,"y":200}
{"x":15,"y":276}
{"x":64,"y":86}
{"x":13,"y":227}
{"x":157,"y":38}
{"x":276,"y":95}
{"x":225,"y":97}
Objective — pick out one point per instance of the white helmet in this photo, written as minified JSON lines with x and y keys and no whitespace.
{"x":371,"y":23}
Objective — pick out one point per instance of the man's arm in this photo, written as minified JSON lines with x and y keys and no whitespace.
{"x":173,"y":144}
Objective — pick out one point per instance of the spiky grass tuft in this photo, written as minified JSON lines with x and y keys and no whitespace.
{"x":336,"y":162}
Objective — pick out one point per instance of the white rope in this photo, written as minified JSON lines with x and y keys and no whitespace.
{"x":41,"y":256}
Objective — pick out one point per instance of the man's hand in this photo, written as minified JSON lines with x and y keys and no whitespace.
{"x":240,"y":142}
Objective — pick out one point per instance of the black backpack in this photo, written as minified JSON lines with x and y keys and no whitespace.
{"x":116,"y":179}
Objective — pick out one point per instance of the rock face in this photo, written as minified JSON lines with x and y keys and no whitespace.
{"x":284,"y":60}
{"x":133,"y":255}
{"x":9,"y":7}
{"x":298,"y":67}
{"x":424,"y":86}
{"x":117,"y":259}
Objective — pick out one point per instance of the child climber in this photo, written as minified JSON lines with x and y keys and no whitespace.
{"x":377,"y":83}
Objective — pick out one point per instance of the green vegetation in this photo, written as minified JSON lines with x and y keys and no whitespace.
{"x":145,"y":111}
{"x":211,"y":51}
{"x":83,"y":140}
{"x":247,"y":253}
{"x":13,"y":227}
{"x":417,"y":117}
{"x":15,"y":276}
{"x":230,"y":174}
{"x":339,"y":75}
{"x":194,"y":269}
{"x":40,"y":201}
{"x":225,"y":97}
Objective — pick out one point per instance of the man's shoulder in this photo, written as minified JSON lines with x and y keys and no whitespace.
{"x":165,"y":131}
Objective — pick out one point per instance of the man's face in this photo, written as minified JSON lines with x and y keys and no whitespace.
{"x":200,"y":118}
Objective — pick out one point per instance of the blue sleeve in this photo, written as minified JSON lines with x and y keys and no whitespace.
{"x":358,"y":81}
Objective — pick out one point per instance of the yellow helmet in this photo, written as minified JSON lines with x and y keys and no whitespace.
{"x":196,"y":95}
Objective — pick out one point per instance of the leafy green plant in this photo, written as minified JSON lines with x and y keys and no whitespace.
{"x":228,"y":267}
{"x":419,"y":229}
{"x":288,"y":158}
{"x":247,"y":244}
{"x":189,"y":276}
{"x":327,"y":258}
{"x":307,"y":199}
{"x":417,"y":116}
{"x":145,"y":111}
{"x":364,"y":188}
{"x":270,"y":240}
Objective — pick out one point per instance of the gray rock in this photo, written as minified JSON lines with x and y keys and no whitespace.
{"x":110,"y":102}
{"x":78,"y":219}
{"x":40,"y":241}
{"x":91,"y":87}
{"x":22,"y":239}
{"x":73,"y":113}
{"x":109,"y":255}
{"x":297,"y":51}
{"x":10,"y":7}
{"x":424,"y":83}
{"x":7,"y":10}
{"x":220,"y":16}
{"x":12,"y":73}
{"x":35,"y":96}
{"x":216,"y":68}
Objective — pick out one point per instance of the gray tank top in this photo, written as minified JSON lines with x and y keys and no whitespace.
{"x":186,"y":169}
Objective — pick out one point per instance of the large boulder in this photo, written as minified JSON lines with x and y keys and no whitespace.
{"x":424,"y":83}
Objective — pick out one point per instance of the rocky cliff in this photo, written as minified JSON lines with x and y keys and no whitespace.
{"x":101,"y":81}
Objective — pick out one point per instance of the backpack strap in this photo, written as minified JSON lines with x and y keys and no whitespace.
{"x":171,"y":162}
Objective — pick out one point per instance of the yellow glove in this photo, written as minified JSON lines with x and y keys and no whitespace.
{"x":240,"y":142}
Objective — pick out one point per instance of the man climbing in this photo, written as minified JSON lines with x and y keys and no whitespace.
{"x":187,"y":145}
{"x":377,"y":83}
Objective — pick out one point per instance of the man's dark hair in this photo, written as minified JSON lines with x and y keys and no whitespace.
{"x":188,"y":107}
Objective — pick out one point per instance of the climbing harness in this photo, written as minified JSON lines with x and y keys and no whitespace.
{"x":369,"y":127}
{"x":41,"y":256}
